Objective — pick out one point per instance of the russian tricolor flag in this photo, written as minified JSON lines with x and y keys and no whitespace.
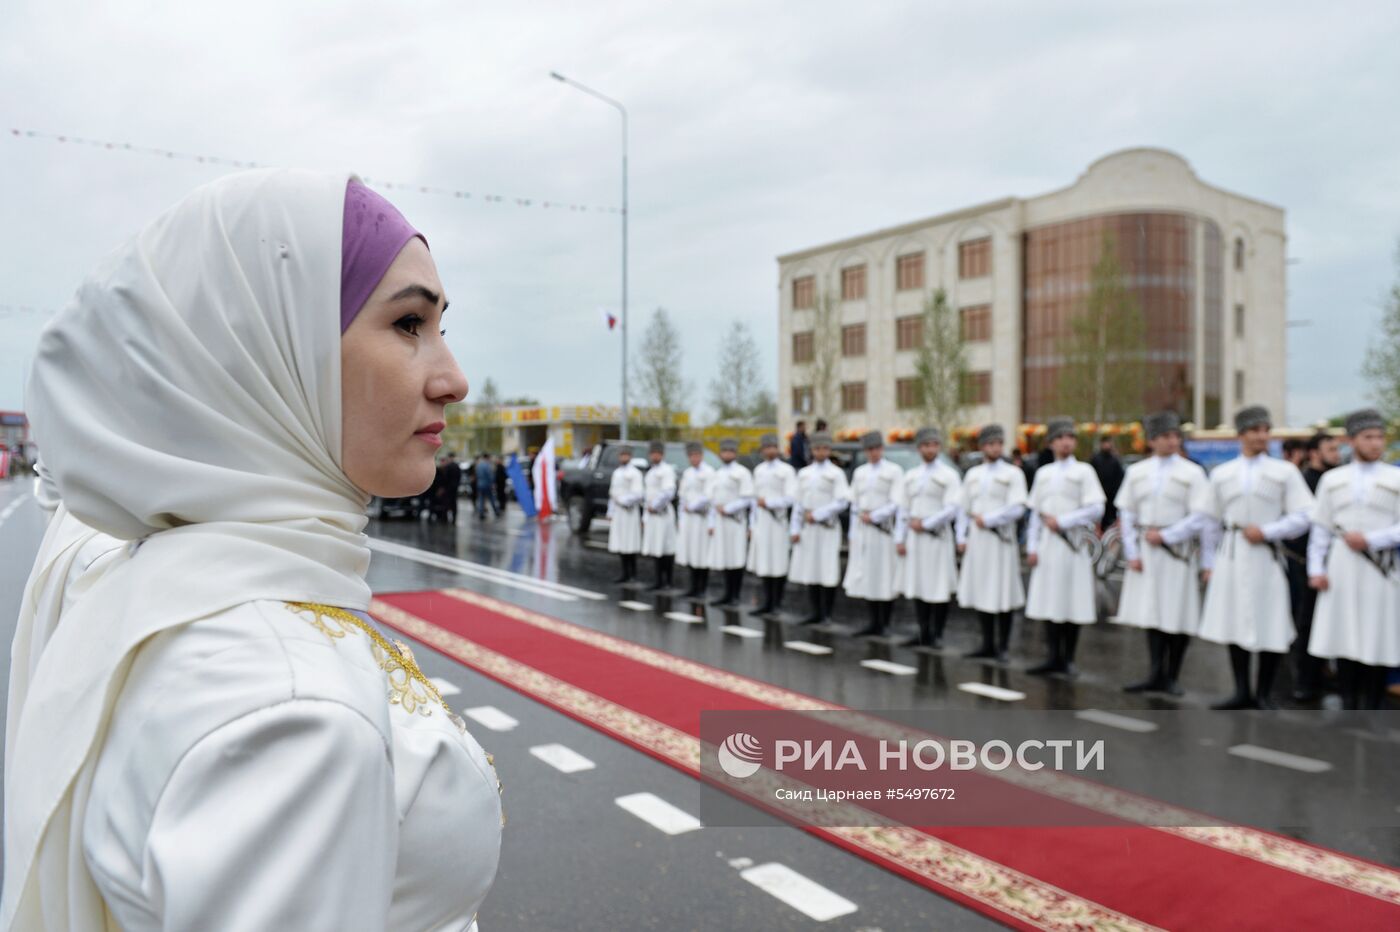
{"x":609,"y":317}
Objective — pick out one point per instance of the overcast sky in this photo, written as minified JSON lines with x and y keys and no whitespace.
{"x":757,"y":129}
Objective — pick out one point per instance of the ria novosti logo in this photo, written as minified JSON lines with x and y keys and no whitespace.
{"x":740,"y":755}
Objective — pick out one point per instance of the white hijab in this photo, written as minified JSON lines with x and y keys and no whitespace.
{"x":188,"y":398}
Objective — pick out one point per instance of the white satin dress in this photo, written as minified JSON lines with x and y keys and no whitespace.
{"x":267,"y":768}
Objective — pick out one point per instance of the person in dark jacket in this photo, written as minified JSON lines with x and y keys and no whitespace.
{"x":1110,"y":472}
{"x":501,"y":476}
{"x":800,"y":453}
{"x":449,"y":481}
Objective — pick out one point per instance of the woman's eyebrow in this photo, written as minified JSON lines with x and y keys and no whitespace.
{"x":418,"y":291}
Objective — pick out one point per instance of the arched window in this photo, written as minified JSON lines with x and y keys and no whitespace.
{"x":1239,"y":254}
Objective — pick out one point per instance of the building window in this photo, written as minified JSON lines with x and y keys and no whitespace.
{"x":804,"y":293}
{"x":1239,"y":386}
{"x":909,"y":332}
{"x":975,"y":323}
{"x":853,"y":340}
{"x":1239,"y":320}
{"x":1239,"y":254}
{"x":852,"y":396}
{"x":802,"y":347}
{"x":853,"y":283}
{"x":977,"y":388}
{"x":975,"y":258}
{"x":802,"y":399}
{"x":909,"y":272}
{"x":908,"y":393}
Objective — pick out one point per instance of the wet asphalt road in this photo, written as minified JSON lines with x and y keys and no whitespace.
{"x":575,"y":859}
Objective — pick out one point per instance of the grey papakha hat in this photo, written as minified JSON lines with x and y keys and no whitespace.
{"x":1163,"y":422}
{"x":871,"y":440}
{"x":730,"y":444}
{"x":769,"y":440}
{"x":1365,"y":419}
{"x":1252,"y":416}
{"x":928,"y":435}
{"x":656,"y":446}
{"x":694,"y":446}
{"x":821,"y":438}
{"x":1058,"y":427}
{"x":989,"y":433}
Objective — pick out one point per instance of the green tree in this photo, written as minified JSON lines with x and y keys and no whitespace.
{"x":1382,"y":364}
{"x":658,"y":371}
{"x":763,"y":409}
{"x":485,"y":418}
{"x":940,"y":364}
{"x":1104,"y":374}
{"x":732,"y":389}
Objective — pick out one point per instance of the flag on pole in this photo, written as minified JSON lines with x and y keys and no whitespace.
{"x":609,"y":317}
{"x":520,"y":486}
{"x":543,"y":472}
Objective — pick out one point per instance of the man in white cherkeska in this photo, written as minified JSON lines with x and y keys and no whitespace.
{"x":989,"y":581}
{"x":876,"y":488}
{"x":924,"y":539}
{"x":822,"y":494}
{"x":692,"y":542}
{"x":625,"y":494}
{"x":1352,"y":564}
{"x":731,"y":496}
{"x":1066,"y":502}
{"x":775,"y":490}
{"x":1259,"y":502}
{"x":659,"y":522}
{"x":1163,"y":508}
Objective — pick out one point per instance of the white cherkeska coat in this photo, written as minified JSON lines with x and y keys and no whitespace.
{"x":731,"y":495}
{"x":928,"y":513}
{"x":1247,"y":600}
{"x":692,"y":541}
{"x":822,"y":492}
{"x":659,"y":523}
{"x":1062,"y":582}
{"x":1170,"y":494}
{"x":990,"y":577}
{"x":626,"y":492}
{"x":872,"y":564}
{"x":775,"y":482}
{"x":1358,"y":614}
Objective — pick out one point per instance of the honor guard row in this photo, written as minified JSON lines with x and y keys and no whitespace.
{"x":1204,"y":555}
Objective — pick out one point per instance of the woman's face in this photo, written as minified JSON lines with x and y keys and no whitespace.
{"x":396,"y":378}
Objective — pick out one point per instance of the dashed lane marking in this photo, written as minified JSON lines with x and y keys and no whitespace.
{"x":992,"y":692}
{"x":561,"y":758}
{"x":798,"y":891}
{"x":488,"y":716}
{"x":658,"y":813}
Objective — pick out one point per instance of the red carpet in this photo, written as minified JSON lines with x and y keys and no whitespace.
{"x":1116,"y":878}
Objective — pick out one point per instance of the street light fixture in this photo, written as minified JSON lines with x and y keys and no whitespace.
{"x":622,"y":110}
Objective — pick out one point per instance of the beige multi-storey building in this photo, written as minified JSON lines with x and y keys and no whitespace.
{"x":1205,"y":266}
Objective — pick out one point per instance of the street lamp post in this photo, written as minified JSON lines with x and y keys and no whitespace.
{"x":622,"y":110}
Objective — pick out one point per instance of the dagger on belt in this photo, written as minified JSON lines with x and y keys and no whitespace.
{"x":1383,"y":565}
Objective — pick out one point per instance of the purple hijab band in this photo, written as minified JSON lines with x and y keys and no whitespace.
{"x":373,"y":236}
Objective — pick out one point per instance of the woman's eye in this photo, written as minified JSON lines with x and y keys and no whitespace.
{"x":409,"y":324}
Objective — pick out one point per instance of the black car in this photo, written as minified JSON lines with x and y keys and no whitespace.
{"x":584,"y":488}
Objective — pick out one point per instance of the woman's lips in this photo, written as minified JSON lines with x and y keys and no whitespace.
{"x":430,"y":433}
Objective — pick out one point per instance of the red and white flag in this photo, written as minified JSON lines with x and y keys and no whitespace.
{"x":609,"y":317}
{"x":543,"y":472}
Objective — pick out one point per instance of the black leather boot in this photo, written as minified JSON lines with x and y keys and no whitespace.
{"x":1004,"y":621}
{"x":1239,"y":668}
{"x":923,"y":614}
{"x":940,"y":621}
{"x":828,"y":602}
{"x":1157,"y":656}
{"x":624,"y":576}
{"x":818,"y":613}
{"x":873,"y":626}
{"x":1054,"y":661}
{"x":1264,"y":680}
{"x":767,"y":604}
{"x":660,"y":581}
{"x":779,"y":584}
{"x":988,"y":650}
{"x":1069,"y":643}
{"x":1176,"y":651}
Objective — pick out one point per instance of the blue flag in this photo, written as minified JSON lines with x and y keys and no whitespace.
{"x":521,"y":486}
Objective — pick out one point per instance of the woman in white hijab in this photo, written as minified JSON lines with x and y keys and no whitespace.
{"x":214,"y":736}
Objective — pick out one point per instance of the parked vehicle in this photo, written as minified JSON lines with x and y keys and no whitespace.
{"x":411,"y":506}
{"x":583,"y":488}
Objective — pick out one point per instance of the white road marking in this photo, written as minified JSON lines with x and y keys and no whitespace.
{"x":991,"y":692}
{"x":491,"y":574}
{"x":658,"y":813}
{"x":887,"y":666}
{"x":11,"y":507}
{"x":443,"y":686}
{"x":1280,"y":758}
{"x":561,"y":758}
{"x":488,"y":716}
{"x":682,"y":616}
{"x":635,"y":606}
{"x":807,"y":647}
{"x":741,"y":631}
{"x":1114,"y":720}
{"x":801,"y":893}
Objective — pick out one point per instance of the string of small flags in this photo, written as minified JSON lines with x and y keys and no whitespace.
{"x":388,"y":185}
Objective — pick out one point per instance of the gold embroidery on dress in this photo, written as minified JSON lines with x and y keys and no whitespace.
{"x":408,"y":686}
